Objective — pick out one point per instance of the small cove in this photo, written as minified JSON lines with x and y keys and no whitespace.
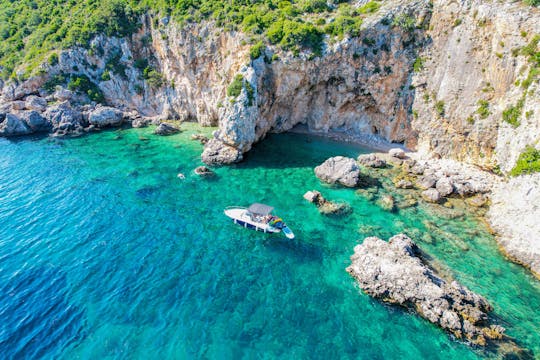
{"x":114,"y":255}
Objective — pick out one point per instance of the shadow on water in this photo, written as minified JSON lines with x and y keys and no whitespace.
{"x":297,"y":247}
{"x":275,"y":151}
{"x":37,"y":319}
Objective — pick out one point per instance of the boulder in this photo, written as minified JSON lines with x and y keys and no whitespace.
{"x":140,"y":122}
{"x":339,"y":170}
{"x":404,"y":184}
{"x":217,"y":153}
{"x":105,"y":116}
{"x":13,"y":125}
{"x":36,"y":103}
{"x":395,"y":272}
{"x":444,"y":186}
{"x":397,"y":153}
{"x":64,"y":119}
{"x":431,"y":195}
{"x":63,"y":94}
{"x":18,"y":105}
{"x":426,"y":182}
{"x":371,"y":160}
{"x":34,"y":120}
{"x":204,"y":171}
{"x":165,"y":129}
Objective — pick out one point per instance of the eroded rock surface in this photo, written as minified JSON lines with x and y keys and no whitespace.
{"x":393,"y":272}
{"x":339,"y":170}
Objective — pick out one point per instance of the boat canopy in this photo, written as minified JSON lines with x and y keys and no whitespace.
{"x":260,"y":209}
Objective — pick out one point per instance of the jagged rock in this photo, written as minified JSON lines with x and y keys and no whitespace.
{"x":327,"y":207}
{"x":34,"y":120}
{"x":394,"y":272}
{"x":426,"y":182}
{"x":431,"y":195}
{"x":397,"y":153}
{"x":18,"y":105}
{"x":36,"y":103}
{"x":12,"y":125}
{"x":371,"y":160}
{"x":140,"y":122}
{"x":63,"y":94}
{"x":200,"y":137}
{"x":64,"y":119}
{"x":387,"y":202}
{"x":444,"y":186}
{"x":166,"y":129}
{"x":417,"y":169}
{"x":204,"y":171}
{"x":105,"y":116}
{"x":217,"y":153}
{"x":339,"y":170}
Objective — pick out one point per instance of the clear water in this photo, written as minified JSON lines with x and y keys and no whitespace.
{"x":105,"y":253}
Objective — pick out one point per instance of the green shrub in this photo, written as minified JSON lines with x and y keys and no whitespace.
{"x":369,"y":8}
{"x":418,"y":64}
{"x":53,"y":59}
{"x":439,"y":107}
{"x":483,"y":109}
{"x":405,"y":21}
{"x":236,"y":86}
{"x":257,"y":50}
{"x":512,"y":113}
{"x":153,"y":77}
{"x":81,"y":84}
{"x":527,"y":163}
{"x":106,"y":76}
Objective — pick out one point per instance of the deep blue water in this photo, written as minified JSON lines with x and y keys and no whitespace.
{"x":105,"y":253}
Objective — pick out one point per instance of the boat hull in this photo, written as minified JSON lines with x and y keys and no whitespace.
{"x":240,"y":217}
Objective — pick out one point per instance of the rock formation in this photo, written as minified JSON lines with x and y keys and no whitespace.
{"x":339,"y":170}
{"x":393,"y":272}
{"x":166,"y":129}
{"x":325,"y":206}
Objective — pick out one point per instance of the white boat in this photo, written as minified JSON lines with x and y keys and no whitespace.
{"x":258,"y":217}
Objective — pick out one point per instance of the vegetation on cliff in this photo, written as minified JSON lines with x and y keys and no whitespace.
{"x":31,"y":29}
{"x":528,"y":162}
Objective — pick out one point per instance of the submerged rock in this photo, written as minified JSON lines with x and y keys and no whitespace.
{"x":204,"y":171}
{"x":387,"y":202}
{"x":200,"y":137}
{"x":327,"y":207}
{"x":394,"y":272}
{"x":339,"y":170}
{"x":217,"y":153}
{"x":166,"y":129}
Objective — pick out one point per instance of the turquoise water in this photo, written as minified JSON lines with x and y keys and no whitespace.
{"x":105,"y":253}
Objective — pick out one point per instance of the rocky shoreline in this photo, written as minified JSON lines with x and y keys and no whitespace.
{"x":509,"y":206}
{"x":395,"y":272}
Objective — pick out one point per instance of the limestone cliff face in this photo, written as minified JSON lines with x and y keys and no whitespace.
{"x":366,"y":85}
{"x":473,"y":57}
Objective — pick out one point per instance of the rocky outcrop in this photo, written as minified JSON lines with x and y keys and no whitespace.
{"x":339,"y":170}
{"x":65,"y":119}
{"x":514,"y":214}
{"x":166,"y":129}
{"x":12,"y":125}
{"x":105,"y":116}
{"x":203,"y":171}
{"x":325,"y":206}
{"x":217,"y":153}
{"x":393,"y":272}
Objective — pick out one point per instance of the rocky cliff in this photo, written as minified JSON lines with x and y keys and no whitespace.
{"x":437,"y":77}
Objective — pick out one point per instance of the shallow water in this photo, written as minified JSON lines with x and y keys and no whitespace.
{"x":105,"y":253}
